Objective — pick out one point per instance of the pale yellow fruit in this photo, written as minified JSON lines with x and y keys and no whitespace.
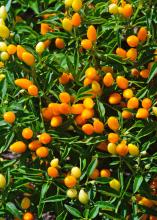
{"x":76,"y":5}
{"x":76,"y":172}
{"x":155,"y":111}
{"x":115,"y":184}
{"x":68,"y":3}
{"x":113,"y":9}
{"x":54,"y":162}
{"x":72,"y":193}
{"x":2,"y":21}
{"x":111,"y":147}
{"x":83,"y":197}
{"x":4,"y":56}
{"x":40,"y":47}
{"x":3,"y":46}
{"x":4,"y":31}
{"x":2,"y":76}
{"x":3,"y":12}
{"x":133,"y":150}
{"x":67,"y":24}
{"x":2,"y":181}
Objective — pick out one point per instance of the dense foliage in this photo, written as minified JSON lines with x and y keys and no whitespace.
{"x":79,"y":77}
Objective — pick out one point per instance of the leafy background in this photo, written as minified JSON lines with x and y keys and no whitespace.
{"x":48,"y":197}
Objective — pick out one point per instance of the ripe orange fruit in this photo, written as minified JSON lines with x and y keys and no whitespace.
{"x":52,"y":172}
{"x":113,"y":123}
{"x":113,"y":137}
{"x":135,"y":72}
{"x":108,"y":80}
{"x":132,"y":41}
{"x":67,"y":24}
{"x":132,"y":54}
{"x":127,"y":10}
{"x":20,"y":51}
{"x":79,"y":120}
{"x":91,"y":73}
{"x":56,"y":121}
{"x":146,"y":103}
{"x":18,"y":147}
{"x":128,"y":93}
{"x":96,"y":87}
{"x":45,"y":28}
{"x":122,"y":149}
{"x":88,"y":129}
{"x":23,"y":83}
{"x":133,"y":103}
{"x":122,"y":82}
{"x":86,"y":44}
{"x":33,"y":90}
{"x":59,"y":43}
{"x":70,"y":181}
{"x":64,"y":97}
{"x":87,"y":81}
{"x":9,"y":117}
{"x":98,"y":126}
{"x":107,"y":69}
{"x":114,"y":98}
{"x":91,"y":33}
{"x":142,"y":34}
{"x":121,"y":52}
{"x":76,"y":20}
{"x":11,"y":49}
{"x":64,"y":78}
{"x":42,"y":152}
{"x":77,"y":109}
{"x":151,"y":217}
{"x":28,"y":216}
{"x":126,"y":114}
{"x":102,"y":146}
{"x":144,"y":73}
{"x":88,"y":103}
{"x":47,"y":43}
{"x":142,"y":113}
{"x":146,"y":202}
{"x":34,"y":145}
{"x":105,"y":173}
{"x":47,"y":113}
{"x":27,"y":133}
{"x":54,"y":108}
{"x":87,"y":113}
{"x":76,"y":5}
{"x":28,"y":58}
{"x":95,"y":174}
{"x":45,"y":138}
{"x":64,"y":108}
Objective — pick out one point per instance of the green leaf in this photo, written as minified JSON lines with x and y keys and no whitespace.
{"x":137,"y":183}
{"x":153,"y":72}
{"x":56,"y":198}
{"x":62,"y":216}
{"x":93,"y":164}
{"x":153,"y":170}
{"x":13,"y":210}
{"x":94,"y":212}
{"x":44,"y":190}
{"x":101,"y":109}
{"x":73,"y":211}
{"x":105,"y":205}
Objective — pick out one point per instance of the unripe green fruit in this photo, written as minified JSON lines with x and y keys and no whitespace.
{"x":72,"y":193}
{"x":2,"y":181}
{"x":83,"y":197}
{"x":76,"y":172}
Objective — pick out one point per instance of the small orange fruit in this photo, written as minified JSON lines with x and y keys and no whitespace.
{"x":113,"y":138}
{"x":33,"y":90}
{"x":45,"y":138}
{"x":9,"y":117}
{"x":91,"y":33}
{"x":146,"y":103}
{"x":91,"y":73}
{"x":23,"y":83}
{"x":76,"y":5}
{"x":52,"y":172}
{"x":144,"y":73}
{"x":28,"y":216}
{"x":122,"y":82}
{"x":128,"y":93}
{"x":67,"y":24}
{"x":113,"y":123}
{"x":76,"y":20}
{"x":59,"y":43}
{"x":27,"y":133}
{"x":88,"y":129}
{"x":47,"y":113}
{"x":64,"y":78}
{"x":87,"y":113}
{"x":87,"y":81}
{"x":18,"y":147}
{"x":11,"y":49}
{"x":56,"y":121}
{"x":64,"y":108}
{"x":20,"y":51}
{"x":105,"y":173}
{"x":142,"y":34}
{"x":28,"y":58}
{"x":133,"y":103}
{"x":114,"y":98}
{"x":77,"y":109}
{"x":64,"y":97}
{"x":42,"y":152}
{"x":108,"y":80}
{"x":95,"y":174}
{"x":132,"y":54}
{"x":79,"y":120}
{"x":86,"y":44}
{"x":45,"y":28}
{"x":121,"y":52}
{"x":126,"y":114}
{"x":98,"y":126}
{"x":34,"y":145}
{"x":54,"y":108}
{"x":102,"y":146}
{"x":88,"y":103}
{"x":70,"y":181}
{"x":146,"y":202}
{"x":122,"y":149}
{"x":132,"y":41}
{"x":127,"y":10}
{"x":142,"y":113}
{"x":135,"y":72}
